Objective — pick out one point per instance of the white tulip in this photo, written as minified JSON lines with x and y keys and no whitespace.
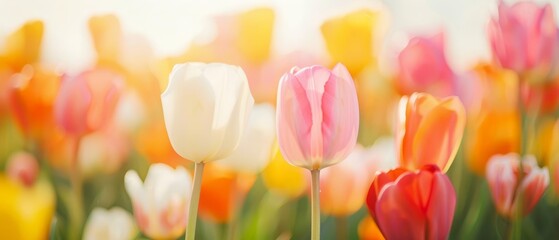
{"x":256,"y":145}
{"x":161,"y":202}
{"x":113,"y":224}
{"x":206,"y":108}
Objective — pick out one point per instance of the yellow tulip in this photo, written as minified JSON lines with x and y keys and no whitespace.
{"x":255,"y":28}
{"x":23,"y":46}
{"x":26,"y":212}
{"x":351,"y":39}
{"x":274,"y":177}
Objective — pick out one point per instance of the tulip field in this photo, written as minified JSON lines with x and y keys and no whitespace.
{"x":369,"y":120}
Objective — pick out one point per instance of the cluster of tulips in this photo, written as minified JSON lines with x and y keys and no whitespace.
{"x":259,"y":145}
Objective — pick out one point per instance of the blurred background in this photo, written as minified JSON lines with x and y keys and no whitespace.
{"x":44,"y":146}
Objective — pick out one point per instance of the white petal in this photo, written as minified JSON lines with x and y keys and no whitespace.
{"x":255,"y":147}
{"x":188,"y":109}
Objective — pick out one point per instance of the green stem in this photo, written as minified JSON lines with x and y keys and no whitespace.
{"x":236,"y":206}
{"x":341,"y":227}
{"x":315,"y":202}
{"x":193,"y":208}
{"x":77,"y":211}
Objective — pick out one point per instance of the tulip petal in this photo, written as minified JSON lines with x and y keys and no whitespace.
{"x":502,"y":182}
{"x":293,"y":121}
{"x":188,"y":109}
{"x":397,"y":215}
{"x":340,"y":116}
{"x":530,"y":190}
{"x":439,"y":134}
{"x":441,"y":206}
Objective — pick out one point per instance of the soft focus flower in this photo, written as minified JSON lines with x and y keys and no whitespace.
{"x":161,"y":202}
{"x":206,"y":107}
{"x":220,"y":188}
{"x":23,"y":46}
{"x":541,"y":98}
{"x":26,"y":213}
{"x":344,"y":185}
{"x":317,"y":116}
{"x":368,"y":229}
{"x":423,"y":67}
{"x":494,"y":127}
{"x":20,"y":48}
{"x":103,"y":151}
{"x":31,"y":98}
{"x":524,"y":38}
{"x":275,"y":180}
{"x":87,"y":102}
{"x":353,"y":39}
{"x":23,"y":167}
{"x":510,"y":187}
{"x":412,"y":205}
{"x":112,"y":224}
{"x":255,"y":149}
{"x":429,"y":130}
{"x":153,"y":143}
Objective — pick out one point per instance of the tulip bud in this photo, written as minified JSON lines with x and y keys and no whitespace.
{"x":206,"y":108}
{"x":317,"y":116}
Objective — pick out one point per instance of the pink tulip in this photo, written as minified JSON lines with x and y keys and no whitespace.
{"x":510,"y":188}
{"x":317,"y":116}
{"x":87,"y":102}
{"x":524,"y":37}
{"x":423,"y":67}
{"x":429,"y":130}
{"x":412,"y":205}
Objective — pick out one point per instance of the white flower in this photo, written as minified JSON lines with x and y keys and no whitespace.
{"x":113,"y":224}
{"x":206,"y":108}
{"x":255,"y":148}
{"x":161,"y":202}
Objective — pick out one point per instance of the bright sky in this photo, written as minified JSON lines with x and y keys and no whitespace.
{"x":170,"y":25}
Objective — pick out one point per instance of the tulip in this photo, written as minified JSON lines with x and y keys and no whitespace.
{"x":352,"y":39}
{"x":275,"y":180}
{"x":349,"y":179}
{"x":424,"y":68}
{"x":221,"y":192}
{"x":429,"y":130}
{"x":255,"y":149}
{"x":206,"y":108}
{"x":412,"y":204}
{"x":368,"y":229}
{"x":511,"y":187}
{"x":31,"y":98}
{"x":112,"y":224}
{"x":494,"y":125}
{"x":27,"y":212}
{"x":87,"y":102}
{"x":317,"y":122}
{"x":23,"y":167}
{"x":103,"y":151}
{"x":523,"y":38}
{"x":153,"y":143}
{"x":160,"y":203}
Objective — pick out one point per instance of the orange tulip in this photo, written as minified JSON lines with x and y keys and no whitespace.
{"x":429,"y":130}
{"x":31,"y":100}
{"x":220,"y":189}
{"x":368,"y":229}
{"x":153,"y":142}
{"x":494,"y":127}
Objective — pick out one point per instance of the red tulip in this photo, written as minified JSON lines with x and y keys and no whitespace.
{"x":510,"y":188}
{"x":87,"y":102}
{"x":412,"y":204}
